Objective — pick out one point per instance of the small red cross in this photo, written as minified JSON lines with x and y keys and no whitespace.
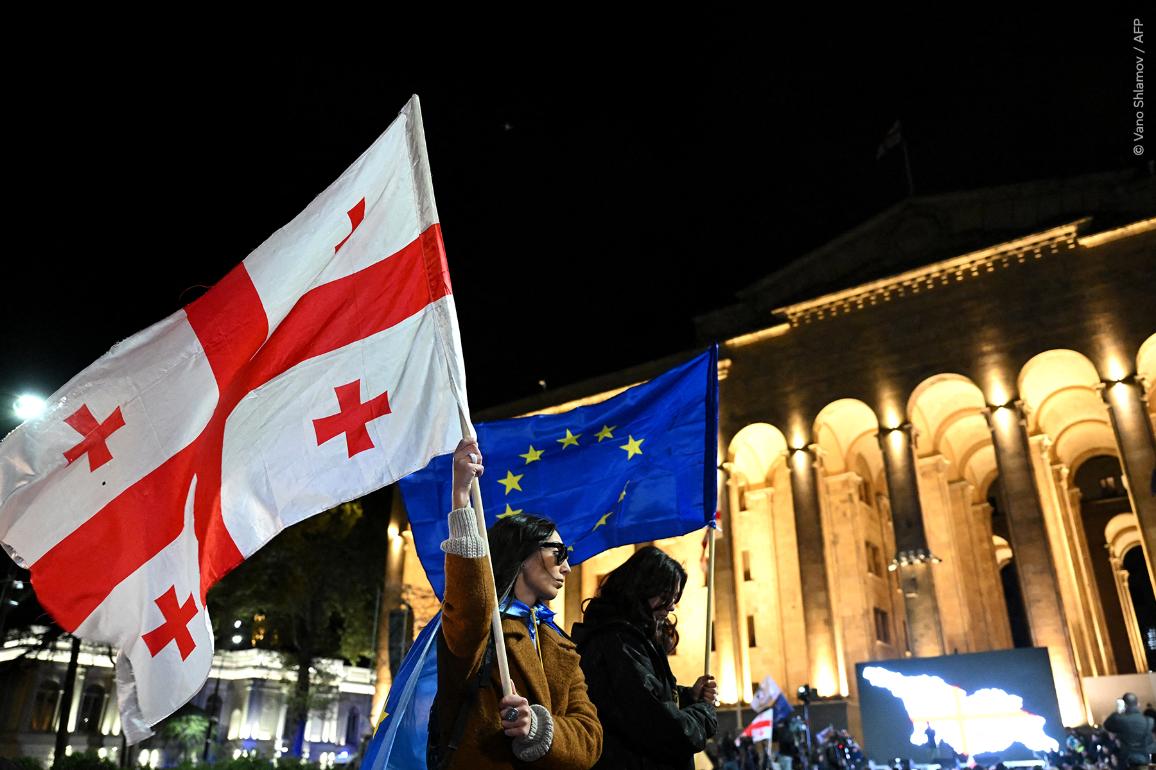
{"x":356,"y":215}
{"x":352,"y":418}
{"x":176,"y":625}
{"x":95,"y":436}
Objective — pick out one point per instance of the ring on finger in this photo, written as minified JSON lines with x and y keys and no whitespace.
{"x":510,"y":714}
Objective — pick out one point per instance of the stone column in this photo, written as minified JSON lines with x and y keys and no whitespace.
{"x":912,"y":560}
{"x":77,"y":694}
{"x":1064,"y":557}
{"x":762,"y":596}
{"x":848,"y":576}
{"x":813,"y":571}
{"x":891,"y":580}
{"x":1100,"y":660}
{"x":970,"y":568}
{"x":795,"y":657}
{"x":246,"y":704}
{"x":740,"y":637}
{"x":1128,"y":407}
{"x":989,"y":586}
{"x":947,"y":539}
{"x":1135,"y":638}
{"x":1029,"y":542}
{"x":729,"y":629}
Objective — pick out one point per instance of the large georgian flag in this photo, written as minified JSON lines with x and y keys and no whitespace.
{"x":324,"y":366}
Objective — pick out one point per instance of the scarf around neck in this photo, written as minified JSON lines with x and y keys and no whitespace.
{"x":531,"y":616}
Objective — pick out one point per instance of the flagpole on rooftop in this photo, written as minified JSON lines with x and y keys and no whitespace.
{"x":496,"y":618}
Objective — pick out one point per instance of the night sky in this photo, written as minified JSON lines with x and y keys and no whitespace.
{"x":596,"y":190}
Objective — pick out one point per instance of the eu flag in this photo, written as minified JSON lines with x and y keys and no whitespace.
{"x":639,"y":466}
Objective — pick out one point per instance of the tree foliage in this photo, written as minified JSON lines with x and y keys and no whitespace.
{"x":185,"y":731}
{"x":310,"y":593}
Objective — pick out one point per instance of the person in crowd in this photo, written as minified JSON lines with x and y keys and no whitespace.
{"x":788,"y":748}
{"x":648,"y":720}
{"x":1132,"y":729}
{"x":549,"y":722}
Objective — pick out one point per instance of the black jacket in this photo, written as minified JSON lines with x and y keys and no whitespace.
{"x":1132,"y":729}
{"x":648,"y":721}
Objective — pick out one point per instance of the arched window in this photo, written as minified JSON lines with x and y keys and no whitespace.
{"x":353,"y":727}
{"x":91,"y":709}
{"x":45,"y":707}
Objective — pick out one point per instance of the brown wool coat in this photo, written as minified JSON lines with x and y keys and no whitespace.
{"x":469,"y":604}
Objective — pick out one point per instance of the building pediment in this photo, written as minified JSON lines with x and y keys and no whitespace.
{"x":931,"y":229}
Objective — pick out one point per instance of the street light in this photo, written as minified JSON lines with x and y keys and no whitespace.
{"x":28,"y":406}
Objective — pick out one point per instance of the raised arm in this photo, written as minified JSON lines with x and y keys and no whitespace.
{"x":469,"y":597}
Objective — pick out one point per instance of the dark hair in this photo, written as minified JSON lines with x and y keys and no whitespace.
{"x":513,"y":540}
{"x":646,"y":574}
{"x":667,"y":635}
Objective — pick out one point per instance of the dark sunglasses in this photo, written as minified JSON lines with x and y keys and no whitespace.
{"x":561,"y":552}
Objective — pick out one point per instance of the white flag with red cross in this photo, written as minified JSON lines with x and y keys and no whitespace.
{"x":324,"y":366}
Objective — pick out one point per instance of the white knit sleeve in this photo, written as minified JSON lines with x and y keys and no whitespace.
{"x":464,"y":539}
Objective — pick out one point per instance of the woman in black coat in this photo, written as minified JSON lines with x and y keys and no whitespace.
{"x":648,"y":721}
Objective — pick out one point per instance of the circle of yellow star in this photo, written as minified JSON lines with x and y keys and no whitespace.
{"x":606,"y":432}
{"x":511,"y":482}
{"x":569,"y":439}
{"x":532,"y":456}
{"x":632,"y":447}
{"x":602,"y":521}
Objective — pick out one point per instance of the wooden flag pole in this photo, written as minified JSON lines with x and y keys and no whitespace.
{"x":709,"y":596}
{"x":496,"y":618}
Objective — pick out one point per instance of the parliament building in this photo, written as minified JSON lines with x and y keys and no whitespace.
{"x":936,"y":437}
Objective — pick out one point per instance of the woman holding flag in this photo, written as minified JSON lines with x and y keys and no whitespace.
{"x":549,"y":722}
{"x":650,"y":722}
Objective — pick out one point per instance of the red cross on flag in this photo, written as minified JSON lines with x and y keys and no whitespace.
{"x":324,"y":366}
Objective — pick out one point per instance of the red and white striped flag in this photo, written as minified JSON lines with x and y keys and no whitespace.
{"x":326,"y":365}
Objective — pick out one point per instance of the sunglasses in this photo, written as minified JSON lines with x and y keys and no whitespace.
{"x":561,"y":552}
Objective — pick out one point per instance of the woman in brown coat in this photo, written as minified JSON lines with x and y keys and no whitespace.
{"x":550,"y":723}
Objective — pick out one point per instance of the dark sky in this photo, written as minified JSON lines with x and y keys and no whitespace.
{"x":596,"y":190}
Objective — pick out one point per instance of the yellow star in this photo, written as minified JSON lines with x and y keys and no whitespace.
{"x":622,"y":494}
{"x":569,"y":439}
{"x":602,"y":521}
{"x":605,"y":432}
{"x":632,"y":447}
{"x":511,"y":482}
{"x":533,"y":456}
{"x":509,"y":512}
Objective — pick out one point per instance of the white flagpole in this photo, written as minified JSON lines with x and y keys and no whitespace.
{"x":709,"y":596}
{"x":496,"y":619}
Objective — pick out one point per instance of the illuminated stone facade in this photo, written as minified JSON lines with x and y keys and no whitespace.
{"x":248,"y":689}
{"x":904,"y":413}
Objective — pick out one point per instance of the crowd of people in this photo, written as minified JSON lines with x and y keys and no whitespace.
{"x":1084,"y":748}
{"x":832,"y":749}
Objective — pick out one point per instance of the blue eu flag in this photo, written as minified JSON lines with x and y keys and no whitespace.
{"x":639,"y":466}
